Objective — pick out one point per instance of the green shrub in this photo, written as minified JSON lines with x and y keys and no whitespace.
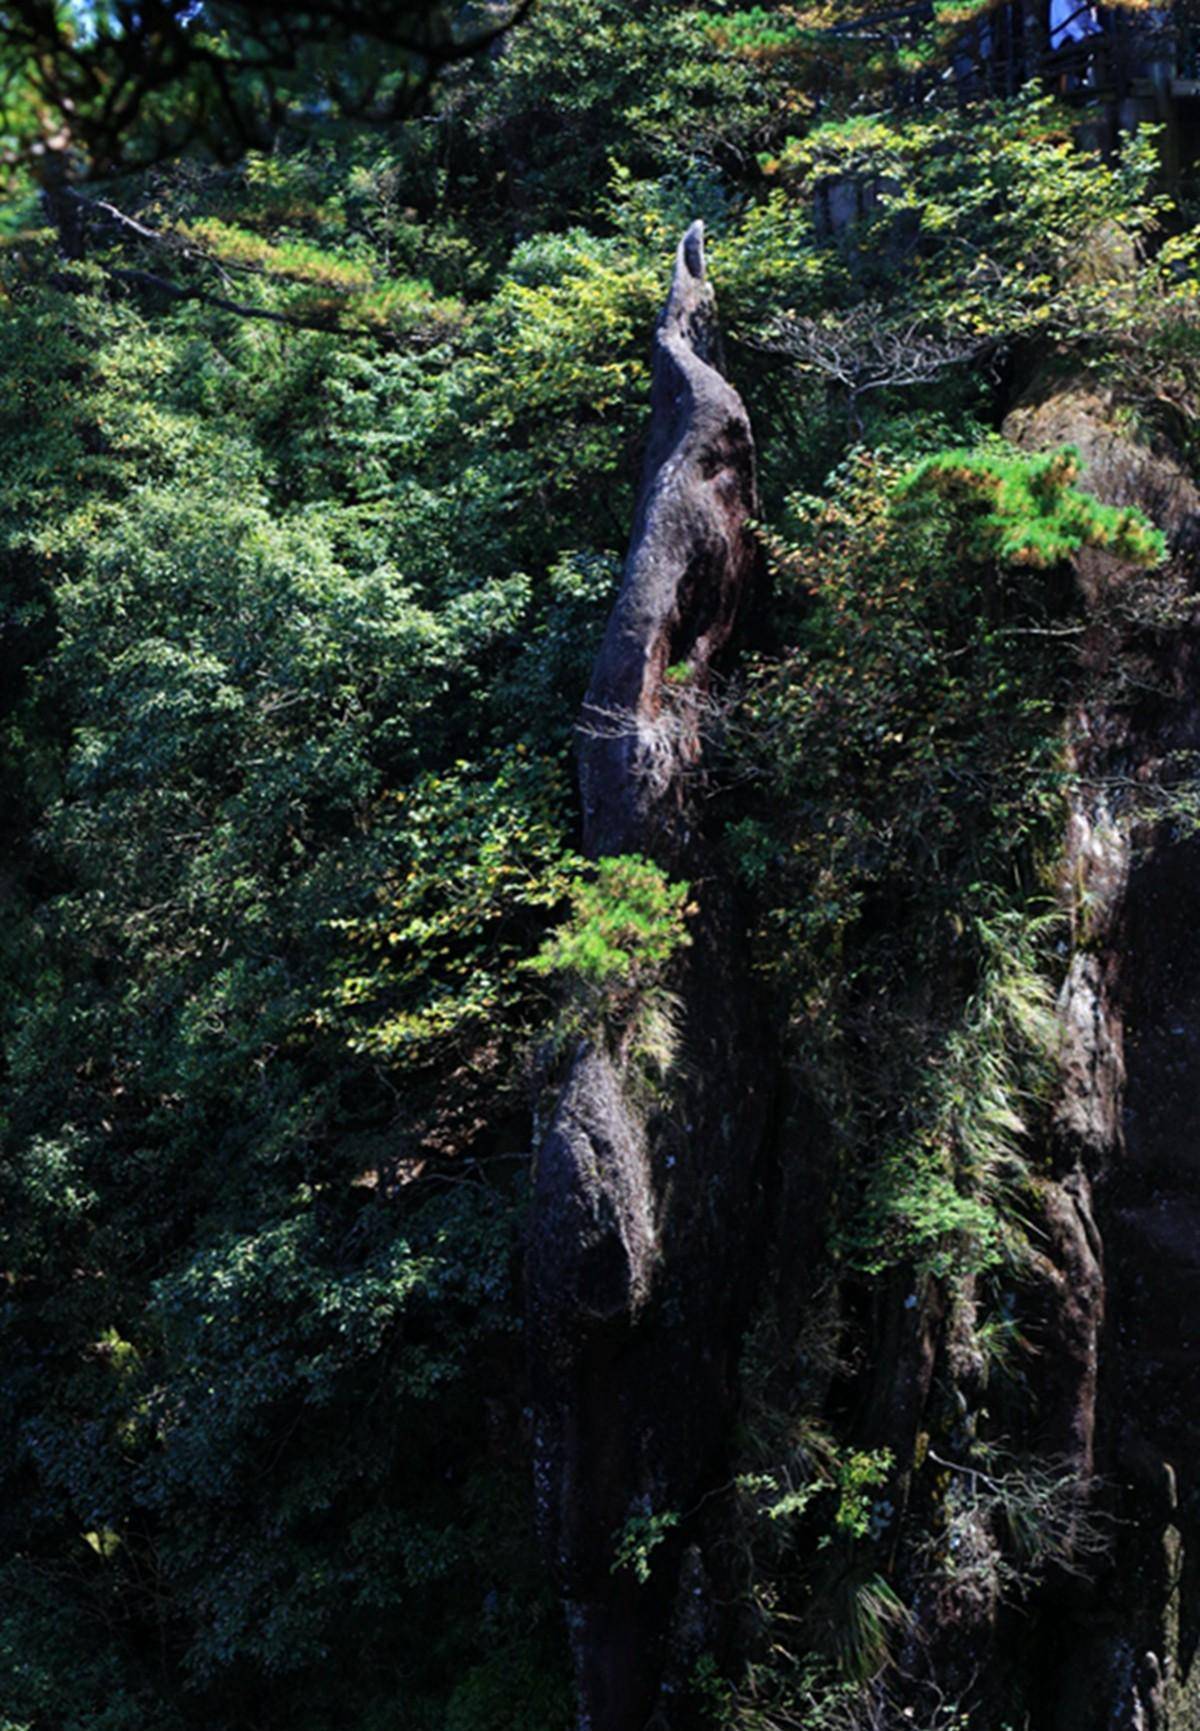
{"x":1024,"y":509}
{"x":627,"y":920}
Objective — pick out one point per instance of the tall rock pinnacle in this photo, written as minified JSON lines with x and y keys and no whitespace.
{"x":644,"y":1200}
{"x":689,"y":566}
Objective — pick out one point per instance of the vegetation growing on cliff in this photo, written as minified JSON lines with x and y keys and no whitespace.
{"x":318,"y":463}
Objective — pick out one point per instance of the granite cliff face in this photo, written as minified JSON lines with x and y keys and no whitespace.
{"x":1122,"y":1357}
{"x":1108,"y":1298}
{"x":640,"y":1264}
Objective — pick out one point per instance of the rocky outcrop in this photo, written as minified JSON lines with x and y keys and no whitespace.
{"x":640,"y":1259}
{"x":647,"y":1199}
{"x":1120,"y":1255}
{"x":1106,"y":1301}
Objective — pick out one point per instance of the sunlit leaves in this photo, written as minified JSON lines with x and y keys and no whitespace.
{"x":1025,"y":509}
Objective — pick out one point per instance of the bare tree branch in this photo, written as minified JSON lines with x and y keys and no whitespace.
{"x":865,"y":349}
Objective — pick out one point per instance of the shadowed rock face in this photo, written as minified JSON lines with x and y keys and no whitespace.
{"x":1109,"y":1300}
{"x":640,"y":1260}
{"x":1112,"y":1287}
{"x":1121,"y":1350}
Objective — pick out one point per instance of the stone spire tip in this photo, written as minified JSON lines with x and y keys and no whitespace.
{"x":691,"y":251}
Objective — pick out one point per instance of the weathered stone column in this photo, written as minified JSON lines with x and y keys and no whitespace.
{"x":639,"y":1262}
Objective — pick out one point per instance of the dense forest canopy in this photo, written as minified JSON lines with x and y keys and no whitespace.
{"x":325,"y":345}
